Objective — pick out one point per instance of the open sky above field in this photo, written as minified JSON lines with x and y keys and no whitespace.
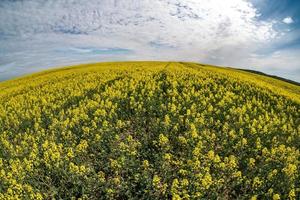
{"x":263,"y":35}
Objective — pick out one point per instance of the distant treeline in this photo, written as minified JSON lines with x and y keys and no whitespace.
{"x":272,"y":76}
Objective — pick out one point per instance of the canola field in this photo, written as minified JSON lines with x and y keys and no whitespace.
{"x":149,"y":130}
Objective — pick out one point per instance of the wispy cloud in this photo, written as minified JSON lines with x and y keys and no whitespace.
{"x":94,"y":51}
{"x":49,"y":33}
{"x":288,"y":20}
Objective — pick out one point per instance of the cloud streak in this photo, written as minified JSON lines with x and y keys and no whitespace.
{"x":288,"y":20}
{"x":58,"y":32}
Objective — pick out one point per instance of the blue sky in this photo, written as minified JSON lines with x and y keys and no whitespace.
{"x":263,"y":35}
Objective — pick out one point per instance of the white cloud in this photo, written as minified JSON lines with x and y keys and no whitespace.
{"x":288,"y":20}
{"x":282,"y":63}
{"x":212,"y":31}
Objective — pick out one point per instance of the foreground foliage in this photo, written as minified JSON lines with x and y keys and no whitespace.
{"x":149,"y":130}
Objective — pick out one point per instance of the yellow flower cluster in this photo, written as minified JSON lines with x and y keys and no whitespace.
{"x":149,"y":130}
